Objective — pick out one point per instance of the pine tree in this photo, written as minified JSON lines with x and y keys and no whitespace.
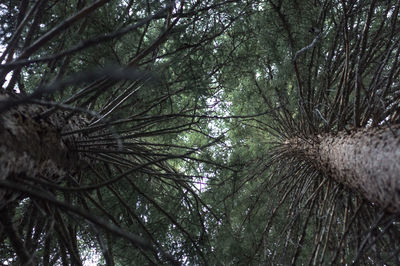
{"x":328,"y":79}
{"x":103,"y":115}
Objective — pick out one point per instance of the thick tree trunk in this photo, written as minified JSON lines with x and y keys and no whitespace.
{"x":32,"y":146}
{"x":367,"y":161}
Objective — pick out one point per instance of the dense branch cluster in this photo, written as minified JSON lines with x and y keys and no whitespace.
{"x":199,"y":132}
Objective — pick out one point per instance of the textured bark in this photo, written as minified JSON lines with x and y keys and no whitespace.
{"x":367,"y":161}
{"x":33,"y":147}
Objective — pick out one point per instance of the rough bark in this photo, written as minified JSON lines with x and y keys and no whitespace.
{"x":366,"y":161}
{"x":32,"y":146}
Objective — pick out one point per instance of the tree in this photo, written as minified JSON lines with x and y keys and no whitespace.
{"x":331,"y":97}
{"x":100,"y":116}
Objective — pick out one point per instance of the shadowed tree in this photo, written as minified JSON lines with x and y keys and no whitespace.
{"x":103,"y":106}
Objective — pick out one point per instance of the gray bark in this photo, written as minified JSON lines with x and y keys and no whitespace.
{"x":366,"y":161}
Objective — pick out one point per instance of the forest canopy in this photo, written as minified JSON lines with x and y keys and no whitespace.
{"x":199,"y":132}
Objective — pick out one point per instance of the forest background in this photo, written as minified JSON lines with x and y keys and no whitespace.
{"x":199,"y":132}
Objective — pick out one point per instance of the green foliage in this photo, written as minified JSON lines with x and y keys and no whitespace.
{"x":182,"y":145}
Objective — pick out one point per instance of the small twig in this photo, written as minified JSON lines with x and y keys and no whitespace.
{"x":308,"y":47}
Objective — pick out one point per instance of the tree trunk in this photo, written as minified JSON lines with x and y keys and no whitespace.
{"x":366,"y":161}
{"x":32,"y":146}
